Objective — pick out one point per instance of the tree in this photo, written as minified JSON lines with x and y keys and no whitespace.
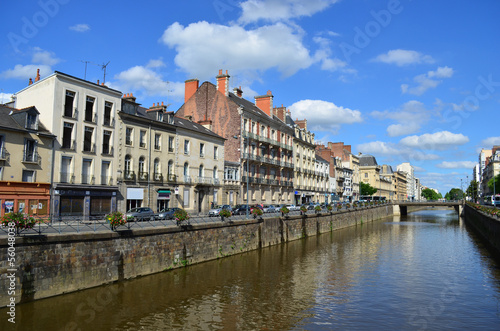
{"x":496,"y":179}
{"x":366,"y":189}
{"x":455,"y":194}
{"x":430,"y":194}
{"x":472,"y":190}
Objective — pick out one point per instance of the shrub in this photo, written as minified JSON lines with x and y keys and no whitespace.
{"x":284,"y":210}
{"x":180,"y":216}
{"x":225,"y":213}
{"x":20,"y":220}
{"x":116,"y":219}
{"x":257,"y":211}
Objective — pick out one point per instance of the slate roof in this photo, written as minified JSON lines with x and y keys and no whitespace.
{"x":319,"y":158}
{"x":7,"y":121}
{"x":366,"y":160}
{"x":187,"y":124}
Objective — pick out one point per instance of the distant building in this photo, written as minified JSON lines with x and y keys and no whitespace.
{"x":407,"y":168}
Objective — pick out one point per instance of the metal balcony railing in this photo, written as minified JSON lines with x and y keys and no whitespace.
{"x":143,"y":176}
{"x":158,"y":177}
{"x":66,"y":177}
{"x":129,"y":176}
{"x":31,"y":157}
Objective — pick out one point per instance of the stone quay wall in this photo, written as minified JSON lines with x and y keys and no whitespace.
{"x":50,"y":265}
{"x":487,"y":226}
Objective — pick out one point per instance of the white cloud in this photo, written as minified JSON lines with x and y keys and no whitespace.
{"x":427,"y":81}
{"x":490,"y":142}
{"x":26,"y":71}
{"x":144,"y":80}
{"x":155,"y":63}
{"x":280,"y":10}
{"x":435,"y":141}
{"x":44,"y":57}
{"x":5,"y":97}
{"x":324,"y":115}
{"x":456,"y":164}
{"x":401,"y":57}
{"x":410,"y":117}
{"x":80,"y":27}
{"x":378,"y":148}
{"x":203,"y":47}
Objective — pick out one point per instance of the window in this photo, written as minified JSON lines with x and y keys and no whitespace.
{"x":105,"y":166}
{"x":89,"y":109}
{"x":142,"y":138}
{"x":170,"y":144}
{"x":67,"y":135}
{"x":202,"y":150}
{"x":186,"y":169}
{"x":263,"y":131}
{"x":366,"y":175}
{"x":68,"y":104}
{"x":157,"y":170}
{"x":87,"y":139}
{"x":108,"y":106}
{"x":129,"y":133}
{"x":201,"y":171}
{"x":106,"y":138}
{"x":128,"y":166}
{"x":141,"y":165}
{"x":30,"y":154}
{"x":31,"y":121}
{"x":157,"y":141}
{"x":186,"y":146}
{"x":86,"y":171}
{"x":216,"y":153}
{"x":215,"y":173}
{"x":170,"y":169}
{"x":29,"y":176}
{"x":66,"y":174}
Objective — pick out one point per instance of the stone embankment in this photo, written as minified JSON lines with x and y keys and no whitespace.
{"x":55,"y":264}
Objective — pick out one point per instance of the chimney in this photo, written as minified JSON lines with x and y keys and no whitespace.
{"x":206,"y":124}
{"x":158,"y":107}
{"x":129,"y":97}
{"x":98,"y":82}
{"x":302,"y":123}
{"x":190,"y":88}
{"x":265,"y":103}
{"x":30,"y":82}
{"x":37,"y":78}
{"x":280,"y":112}
{"x":223,"y":83}
{"x":238,"y":91}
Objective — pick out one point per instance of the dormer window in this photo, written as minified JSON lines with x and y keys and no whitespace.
{"x":31,"y":121}
{"x":160,"y":116}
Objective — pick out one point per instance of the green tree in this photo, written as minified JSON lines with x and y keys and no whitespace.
{"x":455,"y":194}
{"x":496,"y":179}
{"x":366,"y":189}
{"x":472,"y":190}
{"x":430,"y":194}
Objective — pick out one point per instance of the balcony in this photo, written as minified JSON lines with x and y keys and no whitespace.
{"x":158,"y":177}
{"x":129,"y":176}
{"x":187,"y":179}
{"x":88,"y":179}
{"x":66,"y":177}
{"x":107,"y":150}
{"x":204,"y":180}
{"x":31,"y":157}
{"x":88,"y":147}
{"x":4,"y":155}
{"x":69,"y":113}
{"x":106,"y":180}
{"x":171,"y":178}
{"x":143,"y":176}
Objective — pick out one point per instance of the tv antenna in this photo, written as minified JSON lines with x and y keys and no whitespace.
{"x":86,"y":62}
{"x":103,"y":66}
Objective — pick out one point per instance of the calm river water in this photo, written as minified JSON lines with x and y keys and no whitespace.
{"x":425,"y":271}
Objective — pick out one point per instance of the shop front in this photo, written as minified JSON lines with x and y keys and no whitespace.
{"x":27,"y":198}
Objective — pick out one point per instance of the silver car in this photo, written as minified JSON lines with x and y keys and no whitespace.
{"x":140,"y":214}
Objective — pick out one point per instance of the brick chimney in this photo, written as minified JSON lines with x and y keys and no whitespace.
{"x":265,"y":103}
{"x":37,"y":78}
{"x":238,"y":91}
{"x":190,"y":88}
{"x":30,"y":81}
{"x":207,"y":124}
{"x":223,"y":83}
{"x":301,"y":123}
{"x":280,"y":112}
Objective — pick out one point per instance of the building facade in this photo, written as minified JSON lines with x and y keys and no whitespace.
{"x":26,"y":150}
{"x":82,"y":115}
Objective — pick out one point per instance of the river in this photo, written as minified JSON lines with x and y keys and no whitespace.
{"x":424,"y":271}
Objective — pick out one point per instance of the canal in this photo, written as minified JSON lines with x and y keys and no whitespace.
{"x":424,"y":271}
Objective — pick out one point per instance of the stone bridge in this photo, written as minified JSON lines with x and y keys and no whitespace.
{"x":401,"y":207}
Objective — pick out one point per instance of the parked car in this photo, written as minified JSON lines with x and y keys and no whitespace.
{"x":140,"y":214}
{"x":293,"y":207}
{"x":216,"y":211}
{"x":270,"y":209}
{"x":241,"y":210}
{"x":167,"y":213}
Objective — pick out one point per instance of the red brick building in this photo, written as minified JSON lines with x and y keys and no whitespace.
{"x":258,"y":150}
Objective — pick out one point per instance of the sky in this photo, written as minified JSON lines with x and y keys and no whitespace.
{"x":403,"y":80}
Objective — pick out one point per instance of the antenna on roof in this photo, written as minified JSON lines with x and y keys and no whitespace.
{"x":103,"y":66}
{"x":85,"y":76}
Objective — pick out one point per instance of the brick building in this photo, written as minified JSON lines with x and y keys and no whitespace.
{"x":258,"y":151}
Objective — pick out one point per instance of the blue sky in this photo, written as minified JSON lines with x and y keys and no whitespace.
{"x":406,"y":81}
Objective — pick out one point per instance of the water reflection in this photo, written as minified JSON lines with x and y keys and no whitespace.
{"x":424,"y":270}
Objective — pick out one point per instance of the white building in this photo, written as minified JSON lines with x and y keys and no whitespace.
{"x":411,"y":187}
{"x":82,"y":115}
